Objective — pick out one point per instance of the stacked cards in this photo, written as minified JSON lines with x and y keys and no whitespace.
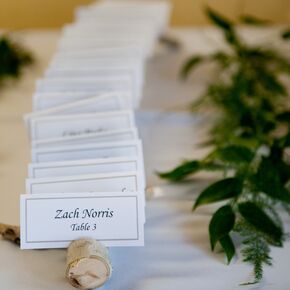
{"x":86,"y":176}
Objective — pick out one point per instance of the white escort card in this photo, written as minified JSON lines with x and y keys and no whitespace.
{"x":102,"y":137}
{"x":122,"y":51}
{"x":43,"y":101}
{"x":53,"y":221}
{"x":84,"y":167}
{"x":78,"y":124}
{"x":88,"y":151}
{"x":101,"y":103}
{"x":86,"y":177}
{"x":81,"y":84}
{"x":103,"y":182}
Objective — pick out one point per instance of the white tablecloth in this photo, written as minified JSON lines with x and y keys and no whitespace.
{"x":177,"y":253}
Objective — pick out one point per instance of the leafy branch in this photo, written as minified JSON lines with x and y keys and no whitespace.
{"x":250,"y":135}
{"x":12,"y":58}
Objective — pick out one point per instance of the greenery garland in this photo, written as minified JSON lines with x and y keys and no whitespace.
{"x":250,"y":137}
{"x":12,"y":58}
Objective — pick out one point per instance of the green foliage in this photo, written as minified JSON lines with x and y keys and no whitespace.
{"x":220,"y":190}
{"x":255,"y":249}
{"x":221,"y":224}
{"x":189,"y":167}
{"x":252,"y":20}
{"x":228,"y":247}
{"x":249,"y":138}
{"x":257,"y":218}
{"x":12,"y":58}
{"x":286,"y":34}
{"x":234,"y":154}
{"x":190,"y":65}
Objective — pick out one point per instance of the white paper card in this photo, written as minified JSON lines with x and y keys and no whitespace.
{"x":72,"y":125}
{"x":103,"y":137}
{"x":125,"y":51}
{"x":102,"y":103}
{"x":82,"y":167}
{"x":53,"y":221}
{"x":42,"y":101}
{"x":88,"y":151}
{"x":80,"y":84}
{"x":105,"y":182}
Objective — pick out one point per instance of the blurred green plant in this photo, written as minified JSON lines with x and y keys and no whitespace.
{"x":249,"y":136}
{"x":13,"y":58}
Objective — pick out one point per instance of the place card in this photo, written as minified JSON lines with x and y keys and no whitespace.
{"x":102,"y":103}
{"x":87,"y":151}
{"x":121,"y":51}
{"x":133,"y":64}
{"x":102,"y":182}
{"x":78,"y":84}
{"x":103,"y":137}
{"x":84,"y":167}
{"x":95,"y":72}
{"x":43,"y":101}
{"x":119,"y":41}
{"x":54,"y":220}
{"x":79,"y":124}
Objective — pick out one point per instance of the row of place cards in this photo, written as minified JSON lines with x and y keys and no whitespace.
{"x":86,"y":176}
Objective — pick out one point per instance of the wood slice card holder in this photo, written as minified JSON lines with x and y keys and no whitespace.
{"x":88,"y":261}
{"x":88,"y":264}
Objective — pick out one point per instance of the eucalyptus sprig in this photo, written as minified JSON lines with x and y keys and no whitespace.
{"x":250,"y":136}
{"x":12,"y":58}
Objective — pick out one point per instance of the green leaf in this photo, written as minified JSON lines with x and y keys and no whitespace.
{"x":220,"y":190}
{"x":189,"y":65}
{"x":226,"y":25}
{"x":218,"y":19}
{"x":268,"y":179}
{"x":271,"y":82}
{"x":286,"y":34}
{"x":256,"y":217}
{"x":223,"y":59}
{"x":182,"y":171}
{"x":12,"y":58}
{"x":251,"y":20}
{"x":256,"y":251}
{"x":234,"y":154}
{"x":228,"y":247}
{"x":286,"y":140}
{"x":283,"y":117}
{"x":221,"y":224}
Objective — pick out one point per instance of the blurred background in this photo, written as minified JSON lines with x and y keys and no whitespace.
{"x":21,"y":14}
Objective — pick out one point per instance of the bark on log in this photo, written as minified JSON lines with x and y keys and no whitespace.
{"x":10,"y":233}
{"x":88,"y":264}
